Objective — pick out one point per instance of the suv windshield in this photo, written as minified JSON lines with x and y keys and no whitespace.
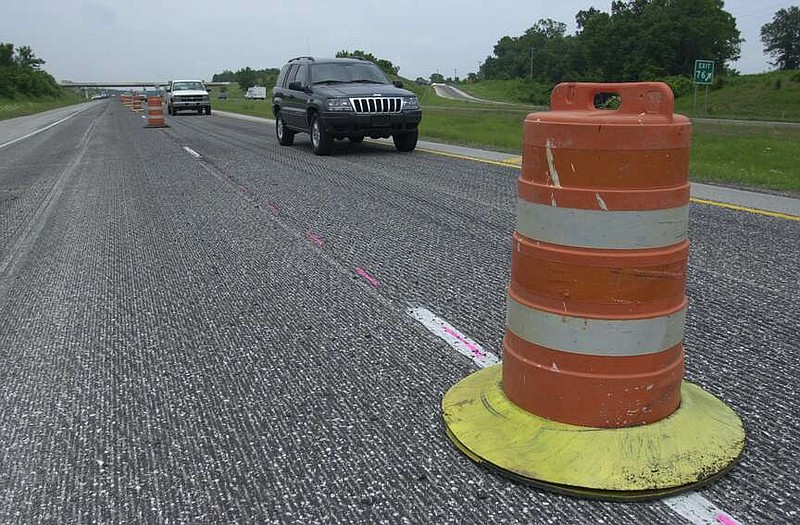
{"x":347,"y":72}
{"x":188,"y":85}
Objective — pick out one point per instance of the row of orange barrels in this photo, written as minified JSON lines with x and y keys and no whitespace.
{"x":155,"y":109}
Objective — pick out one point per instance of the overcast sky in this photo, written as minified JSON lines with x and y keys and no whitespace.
{"x":157,"y":40}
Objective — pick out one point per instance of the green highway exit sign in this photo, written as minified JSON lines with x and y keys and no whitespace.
{"x":703,"y":71}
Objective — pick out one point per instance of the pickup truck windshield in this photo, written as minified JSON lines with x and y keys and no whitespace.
{"x":188,"y":85}
{"x":347,"y":72}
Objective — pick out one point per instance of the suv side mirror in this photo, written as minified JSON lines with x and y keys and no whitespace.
{"x":295,"y":86}
{"x":397,"y":83}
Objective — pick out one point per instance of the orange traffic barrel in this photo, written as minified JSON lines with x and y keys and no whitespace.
{"x":126,"y":100}
{"x":596,"y":304}
{"x":596,"y":311}
{"x":155,"y":113}
{"x":137,"y":102}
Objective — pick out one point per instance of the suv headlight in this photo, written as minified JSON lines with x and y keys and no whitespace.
{"x":410,"y":103}
{"x":339,"y":104}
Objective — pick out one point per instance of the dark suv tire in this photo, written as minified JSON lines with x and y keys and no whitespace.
{"x":285,"y":136}
{"x":406,"y":141}
{"x":321,"y":140}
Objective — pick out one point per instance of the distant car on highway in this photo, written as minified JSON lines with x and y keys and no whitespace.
{"x":256,"y":92}
{"x":222,"y":96}
{"x":337,"y":98}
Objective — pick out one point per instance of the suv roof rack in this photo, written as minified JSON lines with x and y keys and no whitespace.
{"x":301,"y":58}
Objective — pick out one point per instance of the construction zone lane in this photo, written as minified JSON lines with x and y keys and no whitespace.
{"x":238,"y":336}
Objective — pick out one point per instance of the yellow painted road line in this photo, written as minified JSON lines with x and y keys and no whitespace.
{"x":786,"y":216}
{"x":516,"y":162}
{"x":505,"y":163}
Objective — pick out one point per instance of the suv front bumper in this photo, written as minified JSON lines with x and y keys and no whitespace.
{"x":345,"y":124}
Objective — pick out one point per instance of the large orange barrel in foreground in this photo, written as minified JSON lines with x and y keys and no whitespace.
{"x":596,"y":303}
{"x":589,"y":399}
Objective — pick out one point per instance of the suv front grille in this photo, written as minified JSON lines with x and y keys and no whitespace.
{"x":377,"y":105}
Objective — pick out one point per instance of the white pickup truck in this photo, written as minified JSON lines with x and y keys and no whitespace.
{"x":184,"y":95}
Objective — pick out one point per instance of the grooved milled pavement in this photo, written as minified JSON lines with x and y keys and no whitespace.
{"x":178,"y":347}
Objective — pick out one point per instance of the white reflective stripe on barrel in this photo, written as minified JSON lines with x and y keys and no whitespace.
{"x":602,"y":229}
{"x":599,"y":337}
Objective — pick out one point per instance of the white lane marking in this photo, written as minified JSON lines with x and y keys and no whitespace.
{"x":191,"y":152}
{"x":461,"y":343}
{"x":698,"y":510}
{"x":32,"y":133}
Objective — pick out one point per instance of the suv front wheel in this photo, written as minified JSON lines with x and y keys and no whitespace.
{"x":285,"y":137}
{"x":406,"y":141}
{"x":321,"y":140}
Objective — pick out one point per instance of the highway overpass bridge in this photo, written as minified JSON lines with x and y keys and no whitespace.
{"x":128,"y":84}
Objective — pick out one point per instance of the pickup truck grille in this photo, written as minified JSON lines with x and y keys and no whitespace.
{"x":377,"y":105}
{"x":190,"y":98}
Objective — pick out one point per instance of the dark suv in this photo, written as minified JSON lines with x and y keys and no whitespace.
{"x":337,"y":98}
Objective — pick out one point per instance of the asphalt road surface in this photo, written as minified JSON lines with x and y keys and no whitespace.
{"x":199,"y":325}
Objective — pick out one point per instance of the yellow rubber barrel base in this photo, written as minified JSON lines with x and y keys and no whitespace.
{"x":695,"y":445}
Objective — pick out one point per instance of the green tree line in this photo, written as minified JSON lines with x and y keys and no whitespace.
{"x":638,"y":40}
{"x":385,"y":65}
{"x":21,"y":74}
{"x":781,"y":38}
{"x":247,"y":77}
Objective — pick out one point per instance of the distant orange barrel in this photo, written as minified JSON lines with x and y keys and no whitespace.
{"x":126,"y":101}
{"x":155,"y":113}
{"x":596,"y":302}
{"x":137,"y":102}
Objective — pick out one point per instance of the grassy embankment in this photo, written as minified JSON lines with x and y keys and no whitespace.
{"x":10,"y":108}
{"x":236,"y":102}
{"x":744,"y":155}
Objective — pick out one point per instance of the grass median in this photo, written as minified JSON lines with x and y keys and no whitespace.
{"x":18,"y":107}
{"x":740,"y":154}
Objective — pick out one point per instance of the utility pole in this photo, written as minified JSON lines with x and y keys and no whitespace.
{"x":531,"y":62}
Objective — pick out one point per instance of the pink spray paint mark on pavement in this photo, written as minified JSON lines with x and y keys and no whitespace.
{"x":244,"y":188}
{"x":316,"y":239}
{"x":726,"y":520}
{"x":370,"y":279}
{"x":472,"y":347}
{"x":272,"y":208}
